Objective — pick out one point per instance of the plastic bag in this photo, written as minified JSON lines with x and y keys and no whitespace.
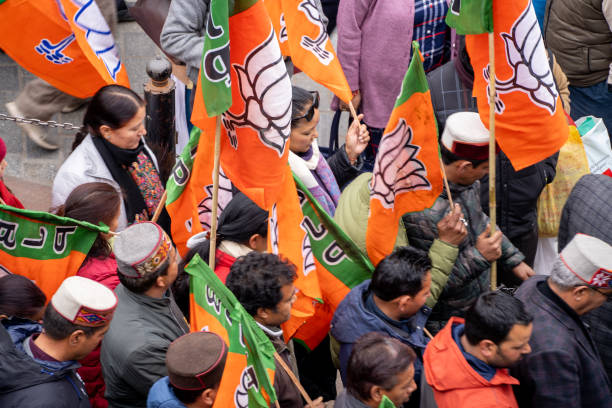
{"x":572,"y":165}
{"x":596,"y":144}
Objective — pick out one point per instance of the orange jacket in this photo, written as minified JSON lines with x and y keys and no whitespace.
{"x":456,"y":384}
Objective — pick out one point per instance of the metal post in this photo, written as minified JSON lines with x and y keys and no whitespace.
{"x":159,"y":122}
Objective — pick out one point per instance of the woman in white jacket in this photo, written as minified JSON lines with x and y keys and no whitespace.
{"x":110,"y":148}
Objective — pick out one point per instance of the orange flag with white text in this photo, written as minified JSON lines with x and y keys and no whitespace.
{"x":407,"y":175}
{"x":65,"y":42}
{"x":302,"y":36}
{"x":530,"y":124}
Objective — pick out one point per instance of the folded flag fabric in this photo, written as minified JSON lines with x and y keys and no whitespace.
{"x":249,"y":370}
{"x":470,"y":16}
{"x":44,"y":247}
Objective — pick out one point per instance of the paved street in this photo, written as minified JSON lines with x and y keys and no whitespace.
{"x":31,"y":169}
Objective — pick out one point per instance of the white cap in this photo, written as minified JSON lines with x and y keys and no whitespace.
{"x":590,"y":259}
{"x":465,"y":135}
{"x":84,"y":302}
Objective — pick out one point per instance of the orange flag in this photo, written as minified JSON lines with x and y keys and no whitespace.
{"x":407,"y":175}
{"x":302,"y":36}
{"x":529,"y":121}
{"x":256,"y":128}
{"x":287,"y":237}
{"x":65,"y":42}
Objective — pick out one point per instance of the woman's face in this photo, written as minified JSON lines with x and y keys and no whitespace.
{"x":303,"y":133}
{"x":3,"y":165}
{"x":128,"y":136}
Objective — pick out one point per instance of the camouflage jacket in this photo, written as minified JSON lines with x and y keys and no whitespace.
{"x":470,"y":275}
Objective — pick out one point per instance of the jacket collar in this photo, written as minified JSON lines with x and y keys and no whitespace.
{"x":154,"y":303}
{"x":50,"y":367}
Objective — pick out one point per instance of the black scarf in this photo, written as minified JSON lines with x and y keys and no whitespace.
{"x":117,"y":161}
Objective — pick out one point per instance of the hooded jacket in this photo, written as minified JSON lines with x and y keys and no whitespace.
{"x":352,"y":320}
{"x":455,"y":383}
{"x":29,"y":383}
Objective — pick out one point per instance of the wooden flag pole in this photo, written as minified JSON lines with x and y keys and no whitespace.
{"x":450,"y":197}
{"x":353,"y":111}
{"x":215,"y":198}
{"x":160,"y":207}
{"x":285,"y":367}
{"x":492,"y":198}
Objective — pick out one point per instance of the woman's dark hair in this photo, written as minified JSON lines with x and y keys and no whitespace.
{"x":113,"y":106}
{"x":492,"y":317}
{"x":20,"y":297}
{"x":59,"y":328}
{"x":301,"y":100}
{"x":376,"y":359}
{"x":94,"y":203}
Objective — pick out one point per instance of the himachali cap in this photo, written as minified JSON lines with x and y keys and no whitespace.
{"x":590,"y":259}
{"x":141,"y":249}
{"x":195,"y":361}
{"x":84,"y":302}
{"x":465,"y":135}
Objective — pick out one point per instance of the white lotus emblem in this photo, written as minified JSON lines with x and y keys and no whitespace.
{"x":205,"y":206}
{"x":315,"y":45}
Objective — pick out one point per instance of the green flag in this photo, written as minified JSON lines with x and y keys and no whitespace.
{"x":215,"y":84}
{"x":470,"y":16}
{"x":386,"y":403}
{"x":250,"y":362}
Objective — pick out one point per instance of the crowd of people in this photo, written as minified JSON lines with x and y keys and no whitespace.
{"x":424,"y":331}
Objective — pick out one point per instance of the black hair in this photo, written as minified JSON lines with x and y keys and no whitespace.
{"x":20,"y":297}
{"x":400,"y":273}
{"x":113,"y":106}
{"x":256,"y":280}
{"x":141,"y":285}
{"x":301,"y":100}
{"x":376,"y":359}
{"x":59,"y":328}
{"x":449,"y":157}
{"x":492,"y":317}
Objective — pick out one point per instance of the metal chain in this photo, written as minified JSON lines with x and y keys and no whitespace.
{"x":38,"y":122}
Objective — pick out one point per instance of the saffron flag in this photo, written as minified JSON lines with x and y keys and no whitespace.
{"x":190,"y":191}
{"x":44,"y":247}
{"x":256,"y":127}
{"x":530,"y":124}
{"x":65,"y":42}
{"x":470,"y":16}
{"x":340,"y":265}
{"x":407,"y":175}
{"x":303,"y":37}
{"x":249,"y":369}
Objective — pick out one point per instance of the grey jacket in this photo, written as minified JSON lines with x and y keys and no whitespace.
{"x":134,"y":348}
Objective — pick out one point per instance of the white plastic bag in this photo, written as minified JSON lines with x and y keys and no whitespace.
{"x":596,"y":144}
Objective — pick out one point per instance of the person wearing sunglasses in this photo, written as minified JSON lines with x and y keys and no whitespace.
{"x":323,"y":178}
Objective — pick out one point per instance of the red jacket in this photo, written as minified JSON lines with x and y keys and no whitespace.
{"x":456,"y":384}
{"x":105,"y":272}
{"x":223,"y":263}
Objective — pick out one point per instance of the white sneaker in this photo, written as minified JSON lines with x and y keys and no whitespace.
{"x":34,"y":132}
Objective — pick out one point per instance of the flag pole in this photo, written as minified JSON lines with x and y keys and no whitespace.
{"x":160,"y":207}
{"x":492,"y":198}
{"x":448,"y":192}
{"x":353,"y":111}
{"x":285,"y":367}
{"x":215,"y":197}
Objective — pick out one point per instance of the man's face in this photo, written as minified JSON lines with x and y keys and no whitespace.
{"x":403,"y":389}
{"x":470,"y":173}
{"x":597,"y":297}
{"x":513,"y":348}
{"x":87,"y":344}
{"x":282,"y":312}
{"x":172,"y":268}
{"x":416,"y":302}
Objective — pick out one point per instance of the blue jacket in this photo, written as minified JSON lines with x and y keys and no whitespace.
{"x":162,"y":396}
{"x":352,"y":320}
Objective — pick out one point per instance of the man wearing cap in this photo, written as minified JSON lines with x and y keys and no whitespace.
{"x":38,"y":369}
{"x":195,"y":364}
{"x":564,"y":368}
{"x":147,"y":318}
{"x":464,"y":147}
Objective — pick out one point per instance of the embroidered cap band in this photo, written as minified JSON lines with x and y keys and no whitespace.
{"x":84,"y":302}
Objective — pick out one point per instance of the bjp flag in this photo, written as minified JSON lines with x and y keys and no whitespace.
{"x":65,"y":42}
{"x":407,"y":175}
{"x":256,"y":126}
{"x":302,"y":36}
{"x":44,"y":247}
{"x":530,"y":124}
{"x":249,"y":369}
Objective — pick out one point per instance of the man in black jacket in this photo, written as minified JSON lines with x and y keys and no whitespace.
{"x":38,"y":369}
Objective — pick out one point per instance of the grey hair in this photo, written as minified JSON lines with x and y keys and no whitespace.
{"x":563,"y":277}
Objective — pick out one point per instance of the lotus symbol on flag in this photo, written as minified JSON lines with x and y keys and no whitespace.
{"x":317,"y":45}
{"x":53,"y":52}
{"x":98,"y":35}
{"x":398,"y":170}
{"x":531,"y":72}
{"x":265,"y":88}
{"x":282,"y":35}
{"x":225,"y":196}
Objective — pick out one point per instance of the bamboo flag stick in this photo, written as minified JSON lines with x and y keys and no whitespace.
{"x":215,"y":198}
{"x":427,"y":333}
{"x":450,"y":197}
{"x":492,"y":199}
{"x":285,"y":367}
{"x":160,"y":207}
{"x":353,"y":111}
